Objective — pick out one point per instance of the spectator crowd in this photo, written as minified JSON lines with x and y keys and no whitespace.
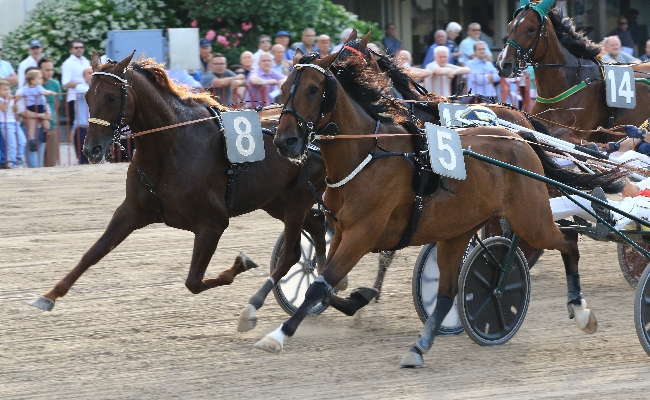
{"x":30,"y":121}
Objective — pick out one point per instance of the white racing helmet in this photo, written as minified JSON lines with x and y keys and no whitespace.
{"x":478,"y":115}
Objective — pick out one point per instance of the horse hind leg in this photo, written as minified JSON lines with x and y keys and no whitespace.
{"x":385,"y":259}
{"x":566,"y":241}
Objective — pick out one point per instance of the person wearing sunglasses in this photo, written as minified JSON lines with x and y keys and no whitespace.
{"x":35,"y":51}
{"x":263,"y":46}
{"x":72,"y":74}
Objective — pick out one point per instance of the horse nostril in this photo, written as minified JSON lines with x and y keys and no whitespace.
{"x":290,"y":142}
{"x":97,"y":151}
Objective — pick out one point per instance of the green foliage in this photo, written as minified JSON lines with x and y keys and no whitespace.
{"x":234,"y":25}
{"x":334,"y":18}
{"x":56,"y":22}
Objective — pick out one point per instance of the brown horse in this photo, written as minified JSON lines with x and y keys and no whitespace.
{"x":185,"y":175}
{"x":563,"y":59}
{"x":372,"y":208}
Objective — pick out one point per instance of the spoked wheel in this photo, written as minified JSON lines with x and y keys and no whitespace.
{"x":632,"y":263}
{"x":290,"y":291}
{"x":489,"y":317}
{"x":424,"y":289}
{"x":493,"y":228}
{"x":642,"y":310}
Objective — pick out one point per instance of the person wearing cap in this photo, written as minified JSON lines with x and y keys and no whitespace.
{"x":283,"y":37}
{"x":7,"y":71}
{"x":72,"y":74}
{"x":35,"y":50}
{"x":205,"y":52}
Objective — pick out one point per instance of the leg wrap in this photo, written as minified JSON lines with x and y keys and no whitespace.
{"x":428,"y":332}
{"x":258,"y":298}
{"x":573,"y":287}
{"x":328,"y":289}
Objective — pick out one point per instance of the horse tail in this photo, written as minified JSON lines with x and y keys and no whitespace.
{"x":611,"y":180}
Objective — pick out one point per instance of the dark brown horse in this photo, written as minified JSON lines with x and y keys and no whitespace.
{"x":564,"y":59}
{"x":186,"y":175}
{"x":372,"y":208}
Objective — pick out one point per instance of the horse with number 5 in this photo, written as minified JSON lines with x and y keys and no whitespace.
{"x":180,"y":175}
{"x":569,"y":76}
{"x":372,"y":200}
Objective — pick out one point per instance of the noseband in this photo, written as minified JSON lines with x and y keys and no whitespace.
{"x":116,"y":127}
{"x":524,"y":56}
{"x":312,"y":124}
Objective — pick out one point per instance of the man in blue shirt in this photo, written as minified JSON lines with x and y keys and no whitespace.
{"x":440,"y":39}
{"x":483,"y":74}
{"x":391,"y":43}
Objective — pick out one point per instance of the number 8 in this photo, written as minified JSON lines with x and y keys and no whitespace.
{"x":244,"y":134}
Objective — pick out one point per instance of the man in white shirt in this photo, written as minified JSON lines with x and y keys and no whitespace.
{"x":35,"y":50}
{"x":441,"y":72}
{"x":7,"y":72}
{"x":614,"y":53}
{"x":263,"y":46}
{"x":72,"y":74}
{"x":467,"y":44}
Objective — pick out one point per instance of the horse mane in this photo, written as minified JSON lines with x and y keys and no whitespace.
{"x":576,"y":42}
{"x":155,"y":73}
{"x":368,"y":89}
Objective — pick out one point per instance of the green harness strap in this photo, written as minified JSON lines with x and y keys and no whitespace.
{"x":575,"y":89}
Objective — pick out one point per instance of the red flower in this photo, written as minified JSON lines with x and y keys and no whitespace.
{"x":246,"y":26}
{"x":210,"y":35}
{"x":194,"y":24}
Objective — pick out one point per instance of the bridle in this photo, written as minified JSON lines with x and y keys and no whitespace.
{"x":119,"y":126}
{"x":308,"y":128}
{"x":524,"y":56}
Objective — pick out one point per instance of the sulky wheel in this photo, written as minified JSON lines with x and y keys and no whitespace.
{"x":290,"y":291}
{"x":493,"y":228}
{"x":426,"y":277}
{"x":490,"y":318}
{"x":632,"y":263}
{"x":642,"y":310}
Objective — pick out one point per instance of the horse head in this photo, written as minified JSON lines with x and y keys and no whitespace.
{"x":524,"y":34}
{"x":109,"y":106}
{"x":310,"y":92}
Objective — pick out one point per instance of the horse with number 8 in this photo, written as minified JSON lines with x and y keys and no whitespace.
{"x":371,"y":197}
{"x":180,"y":175}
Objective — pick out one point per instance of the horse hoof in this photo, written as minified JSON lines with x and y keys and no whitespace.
{"x":365,"y":293}
{"x":343,"y":284}
{"x":411,"y":360}
{"x":247,"y":319}
{"x":248,"y":263}
{"x":42,"y":303}
{"x":269,"y":344}
{"x":591,"y":326}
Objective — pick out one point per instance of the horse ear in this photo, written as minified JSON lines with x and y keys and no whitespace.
{"x":352,"y":36}
{"x":523,"y":3}
{"x":121,"y":66}
{"x":328,"y":60}
{"x":95,"y":60}
{"x":363,"y":44}
{"x":296,"y":56}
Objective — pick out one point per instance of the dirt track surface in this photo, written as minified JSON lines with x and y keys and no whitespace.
{"x":129,"y":329}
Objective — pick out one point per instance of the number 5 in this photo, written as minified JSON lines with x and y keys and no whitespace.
{"x":442,"y":146}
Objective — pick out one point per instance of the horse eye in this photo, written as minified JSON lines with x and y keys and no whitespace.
{"x":532,"y":29}
{"x":313,"y":89}
{"x":110,"y":97}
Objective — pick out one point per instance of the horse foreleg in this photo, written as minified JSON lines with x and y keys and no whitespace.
{"x":349,"y":251}
{"x":125,"y":220}
{"x":205,"y":244}
{"x":289,"y":256}
{"x":450,"y":252}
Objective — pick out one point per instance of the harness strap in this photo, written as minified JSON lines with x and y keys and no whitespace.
{"x":564,"y":94}
{"x":352,"y":174}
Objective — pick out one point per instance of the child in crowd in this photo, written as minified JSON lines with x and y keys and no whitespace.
{"x":34,"y":94}
{"x":10,"y":129}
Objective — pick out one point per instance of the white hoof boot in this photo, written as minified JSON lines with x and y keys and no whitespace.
{"x":411,"y":360}
{"x":272,"y":342}
{"x":42,"y":303}
{"x":584,"y":318}
{"x":247,"y":319}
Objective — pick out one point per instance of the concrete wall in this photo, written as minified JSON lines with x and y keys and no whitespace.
{"x":13,"y":14}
